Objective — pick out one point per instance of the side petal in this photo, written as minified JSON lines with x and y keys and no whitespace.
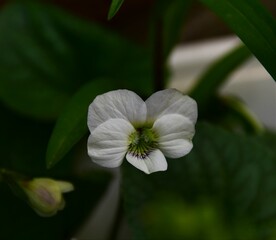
{"x":154,"y":162}
{"x":175,"y":133}
{"x":171,"y":101}
{"x":108,"y":143}
{"x":122,"y":104}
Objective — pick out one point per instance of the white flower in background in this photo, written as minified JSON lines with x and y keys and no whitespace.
{"x":122,"y":124}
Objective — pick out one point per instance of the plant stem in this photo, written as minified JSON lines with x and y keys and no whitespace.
{"x":117,"y":221}
{"x":158,"y":56}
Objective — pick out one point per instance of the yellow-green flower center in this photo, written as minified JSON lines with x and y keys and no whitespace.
{"x":142,"y":141}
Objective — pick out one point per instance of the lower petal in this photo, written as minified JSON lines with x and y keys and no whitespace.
{"x":154,"y":162}
{"x":175,"y":135}
{"x":108,"y":143}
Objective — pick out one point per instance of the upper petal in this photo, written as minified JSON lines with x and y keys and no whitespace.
{"x":122,"y":104}
{"x":108,"y":143}
{"x":175,"y":135}
{"x":170,"y":101}
{"x":154,"y":162}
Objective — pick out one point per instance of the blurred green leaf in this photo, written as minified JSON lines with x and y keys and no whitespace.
{"x":234,"y":172}
{"x":46,"y":54}
{"x":19,"y":221}
{"x":255,"y":26}
{"x":208,"y":84}
{"x":169,"y":217}
{"x":23,"y":143}
{"x":114,"y":8}
{"x":269,"y":139}
{"x":71,"y":125}
{"x":34,"y":79}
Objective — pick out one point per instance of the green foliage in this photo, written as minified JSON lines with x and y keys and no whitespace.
{"x":174,"y":18}
{"x":52,"y":66}
{"x":23,"y":144}
{"x":54,"y":54}
{"x":209,"y":82}
{"x":114,"y":8}
{"x":253,"y":24}
{"x":269,"y":138}
{"x":71,"y":125}
{"x":222,"y":177}
{"x":18,"y":221}
{"x":31,"y":44}
{"x":170,"y":15}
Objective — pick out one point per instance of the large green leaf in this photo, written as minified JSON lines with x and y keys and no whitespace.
{"x":46,"y":54}
{"x":32,"y":63}
{"x":71,"y":125}
{"x":224,"y":187}
{"x":253,"y":24}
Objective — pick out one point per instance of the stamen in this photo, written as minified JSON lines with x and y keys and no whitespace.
{"x":142,"y":142}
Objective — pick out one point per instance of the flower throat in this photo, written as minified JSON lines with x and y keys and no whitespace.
{"x":142,"y":141}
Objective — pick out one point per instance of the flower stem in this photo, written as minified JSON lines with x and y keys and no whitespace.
{"x":113,"y":235}
{"x":158,"y":58}
{"x":5,"y":173}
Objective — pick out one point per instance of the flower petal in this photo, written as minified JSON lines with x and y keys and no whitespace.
{"x":175,"y":135}
{"x":170,"y":101}
{"x":122,"y":104}
{"x":108,"y":143}
{"x":154,"y":162}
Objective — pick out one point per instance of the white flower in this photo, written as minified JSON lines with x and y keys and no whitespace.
{"x":122,"y":124}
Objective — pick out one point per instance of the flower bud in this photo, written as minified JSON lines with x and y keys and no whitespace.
{"x":44,"y":195}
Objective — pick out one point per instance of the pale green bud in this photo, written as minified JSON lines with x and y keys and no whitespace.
{"x":45,"y":194}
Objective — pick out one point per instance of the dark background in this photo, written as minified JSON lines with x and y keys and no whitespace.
{"x":133,"y":18}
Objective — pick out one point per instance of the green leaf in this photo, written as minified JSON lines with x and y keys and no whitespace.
{"x":23,"y":143}
{"x":114,"y":8}
{"x":99,"y":53}
{"x":230,"y":176}
{"x":71,"y":125}
{"x":33,"y":77}
{"x":65,"y":224}
{"x":269,"y":139}
{"x":208,"y":84}
{"x":253,"y":24}
{"x":55,"y":53}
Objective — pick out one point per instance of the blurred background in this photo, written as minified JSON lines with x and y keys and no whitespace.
{"x":133,"y":20}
